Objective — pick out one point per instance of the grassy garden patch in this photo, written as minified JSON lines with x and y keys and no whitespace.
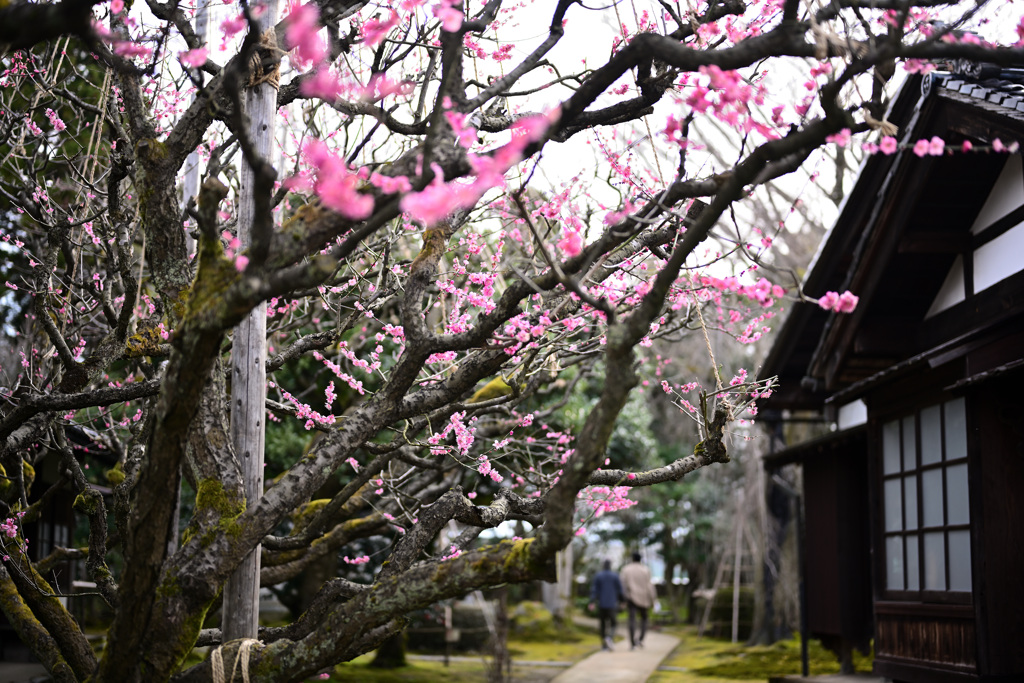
{"x":710,"y":660}
{"x":418,"y":671}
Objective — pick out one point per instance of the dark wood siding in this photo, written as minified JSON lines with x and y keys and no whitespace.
{"x":943,"y":636}
{"x":1000,"y":511}
{"x":838,"y":573}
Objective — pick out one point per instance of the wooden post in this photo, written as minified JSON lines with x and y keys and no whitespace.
{"x":248,"y":372}
{"x":737,"y":567}
{"x":190,"y":185}
{"x":565,"y":583}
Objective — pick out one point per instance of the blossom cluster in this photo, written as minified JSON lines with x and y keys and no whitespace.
{"x":840,"y":303}
{"x":603,"y":499}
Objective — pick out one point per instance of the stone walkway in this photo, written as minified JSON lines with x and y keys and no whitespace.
{"x":621,"y":665}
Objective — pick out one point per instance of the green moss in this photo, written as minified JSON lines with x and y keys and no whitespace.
{"x":88,"y":502}
{"x":189,"y":634}
{"x":782,"y":658}
{"x":152,"y":150}
{"x":225,"y":507}
{"x":715,"y":660}
{"x":307,"y":512}
{"x":168,"y":589}
{"x":28,"y":473}
{"x":534,"y":623}
{"x":145,"y":342}
{"x":519,"y":555}
{"x":216,"y":274}
{"x":115,"y":475}
{"x":212,"y":496}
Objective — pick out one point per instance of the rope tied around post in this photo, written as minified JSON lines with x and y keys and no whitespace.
{"x":265,"y":63}
{"x":241,"y":657}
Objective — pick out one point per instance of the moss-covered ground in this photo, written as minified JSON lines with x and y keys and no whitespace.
{"x":709,"y":660}
{"x":360,"y":671}
{"x":540,"y":641}
{"x":695,"y":660}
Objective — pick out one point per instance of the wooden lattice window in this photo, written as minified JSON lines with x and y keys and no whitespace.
{"x":926,"y":522}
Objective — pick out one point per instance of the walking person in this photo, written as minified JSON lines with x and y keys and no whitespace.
{"x":606,"y":593}
{"x":640,"y":596}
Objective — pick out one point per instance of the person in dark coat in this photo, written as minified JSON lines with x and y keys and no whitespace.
{"x":606,"y":593}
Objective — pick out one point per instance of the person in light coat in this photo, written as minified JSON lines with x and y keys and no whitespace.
{"x":640,"y":597}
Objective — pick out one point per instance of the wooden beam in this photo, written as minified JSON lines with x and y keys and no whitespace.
{"x":935,"y":243}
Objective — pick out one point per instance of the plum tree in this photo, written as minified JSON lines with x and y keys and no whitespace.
{"x":459,"y":225}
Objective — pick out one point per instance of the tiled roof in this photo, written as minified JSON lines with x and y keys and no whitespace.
{"x":998,"y":88}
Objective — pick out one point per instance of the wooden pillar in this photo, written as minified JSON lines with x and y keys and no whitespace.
{"x":737,"y":566}
{"x":248,"y":372}
{"x":190,"y":184}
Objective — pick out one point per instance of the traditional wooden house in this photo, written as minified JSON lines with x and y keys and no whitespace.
{"x":54,"y":528}
{"x":913,"y":501}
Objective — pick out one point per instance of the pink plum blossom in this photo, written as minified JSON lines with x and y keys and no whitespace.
{"x":918,"y":66}
{"x":571,"y":244}
{"x":999,"y":146}
{"x":302,"y":35}
{"x":323,"y":83}
{"x":230,"y":27}
{"x":374,"y":30}
{"x":335,"y":183}
{"x":438,"y":200}
{"x":389,"y":185}
{"x":9,"y":527}
{"x":829,"y":300}
{"x":194,"y":58}
{"x":840,"y":303}
{"x":888,"y":145}
{"x":935,"y":147}
{"x":847,"y":302}
{"x":380,"y":86}
{"x":449,"y":14}
{"x":55,"y":120}
{"x":129,"y":50}
{"x":841,"y":139}
{"x":604,"y":499}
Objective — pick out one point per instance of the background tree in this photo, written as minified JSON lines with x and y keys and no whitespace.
{"x":428,"y":312}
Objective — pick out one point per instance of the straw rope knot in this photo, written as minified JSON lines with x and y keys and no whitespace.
{"x":241,"y":657}
{"x":265,"y":63}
